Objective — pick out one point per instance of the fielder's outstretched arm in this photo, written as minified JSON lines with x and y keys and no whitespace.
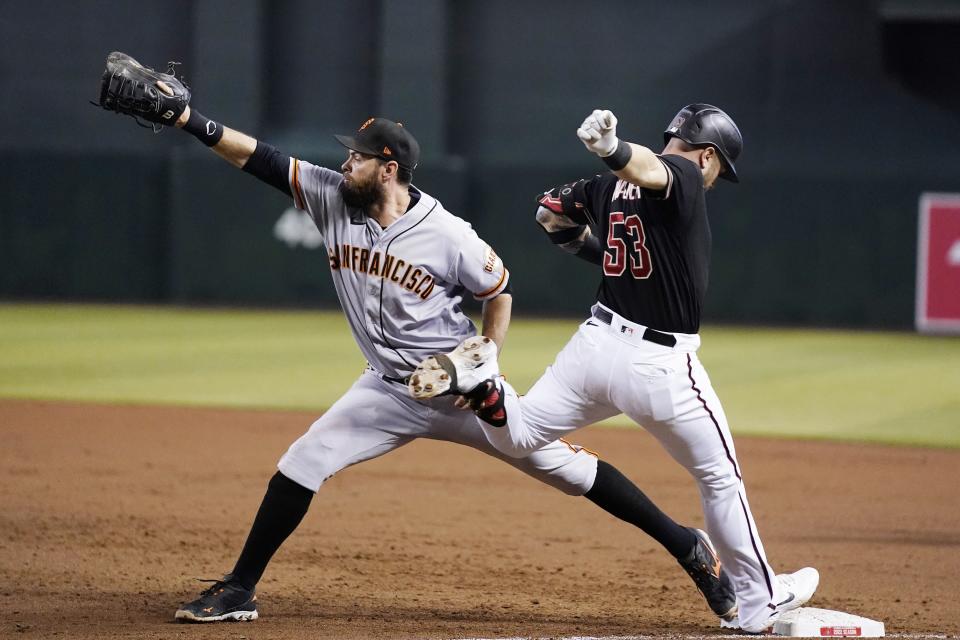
{"x":129,"y":88}
{"x":242,"y":151}
{"x":231,"y":145}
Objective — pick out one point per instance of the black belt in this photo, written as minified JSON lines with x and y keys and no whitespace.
{"x":392,"y":379}
{"x":650,"y":335}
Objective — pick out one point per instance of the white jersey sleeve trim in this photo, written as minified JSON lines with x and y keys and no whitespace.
{"x":670,"y":179}
{"x":496,"y":289}
{"x":667,"y":190}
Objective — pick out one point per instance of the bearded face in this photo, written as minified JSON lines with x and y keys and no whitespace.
{"x":361,"y":194}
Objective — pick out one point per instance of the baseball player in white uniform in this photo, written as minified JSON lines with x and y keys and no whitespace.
{"x":401,"y":265}
{"x":645,"y":225}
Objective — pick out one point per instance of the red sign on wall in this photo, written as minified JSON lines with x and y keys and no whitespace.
{"x":938,"y":264}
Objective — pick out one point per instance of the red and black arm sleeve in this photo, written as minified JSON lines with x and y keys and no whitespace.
{"x":572,"y":201}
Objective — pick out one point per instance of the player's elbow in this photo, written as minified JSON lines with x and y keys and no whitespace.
{"x":644,"y":169}
{"x":551,"y":221}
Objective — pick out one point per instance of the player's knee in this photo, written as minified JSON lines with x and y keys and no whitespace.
{"x":310,"y":462}
{"x":715,"y":483}
{"x":521,"y":448}
{"x":571,"y":471}
{"x":573,"y":482}
{"x":512,"y":441}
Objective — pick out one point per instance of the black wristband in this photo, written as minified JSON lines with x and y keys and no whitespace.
{"x":619,"y":158}
{"x":564,"y":236}
{"x":204,"y":129}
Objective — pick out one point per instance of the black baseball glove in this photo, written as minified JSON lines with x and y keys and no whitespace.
{"x":130,"y":88}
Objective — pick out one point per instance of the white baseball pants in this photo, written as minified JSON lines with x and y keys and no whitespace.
{"x":608,"y":369}
{"x":376,"y":416}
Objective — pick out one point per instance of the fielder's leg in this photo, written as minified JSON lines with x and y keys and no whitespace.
{"x":348,"y":433}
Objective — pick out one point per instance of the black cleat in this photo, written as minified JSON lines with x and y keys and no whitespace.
{"x":225,"y":601}
{"x":704,"y":567}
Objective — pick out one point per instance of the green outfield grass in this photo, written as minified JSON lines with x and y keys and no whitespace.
{"x":869,"y":386}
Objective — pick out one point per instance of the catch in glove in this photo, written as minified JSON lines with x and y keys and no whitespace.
{"x":130,"y":88}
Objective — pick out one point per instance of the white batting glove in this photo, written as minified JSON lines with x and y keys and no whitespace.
{"x":598,"y":133}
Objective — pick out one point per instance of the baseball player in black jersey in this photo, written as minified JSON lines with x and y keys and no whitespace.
{"x":645,"y":225}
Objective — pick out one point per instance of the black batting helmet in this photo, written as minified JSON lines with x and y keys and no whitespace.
{"x":705,"y":125}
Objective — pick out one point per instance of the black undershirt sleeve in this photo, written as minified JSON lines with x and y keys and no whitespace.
{"x":567,"y":239}
{"x":591,"y":251}
{"x":271,"y":166}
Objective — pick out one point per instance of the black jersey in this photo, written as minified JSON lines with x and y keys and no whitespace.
{"x":656,"y":247}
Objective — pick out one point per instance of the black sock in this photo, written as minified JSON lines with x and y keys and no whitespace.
{"x":282,"y":509}
{"x":616,"y":495}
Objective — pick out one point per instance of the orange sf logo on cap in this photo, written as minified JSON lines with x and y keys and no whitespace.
{"x":366,"y":124}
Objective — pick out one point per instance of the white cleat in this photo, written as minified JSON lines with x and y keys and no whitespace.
{"x":459,"y":372}
{"x":798,"y":586}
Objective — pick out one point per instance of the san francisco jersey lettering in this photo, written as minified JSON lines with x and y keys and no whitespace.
{"x":396,"y":270}
{"x":401,"y":288}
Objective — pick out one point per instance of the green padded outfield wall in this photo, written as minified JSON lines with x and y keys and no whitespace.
{"x":89,"y":227}
{"x":849,"y":111}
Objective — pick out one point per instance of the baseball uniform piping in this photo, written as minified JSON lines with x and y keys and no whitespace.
{"x":386,"y":251}
{"x":347,"y":300}
{"x":495,"y":288}
{"x":756,"y":550}
{"x":578,"y":448}
{"x":297,"y":194}
{"x":736,"y":470}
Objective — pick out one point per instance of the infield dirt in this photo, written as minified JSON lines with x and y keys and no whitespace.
{"x":107,"y":514}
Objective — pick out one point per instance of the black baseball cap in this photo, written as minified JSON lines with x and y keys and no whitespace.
{"x":385,"y":139}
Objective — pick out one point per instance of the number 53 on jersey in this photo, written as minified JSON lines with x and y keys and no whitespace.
{"x":626,"y":240}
